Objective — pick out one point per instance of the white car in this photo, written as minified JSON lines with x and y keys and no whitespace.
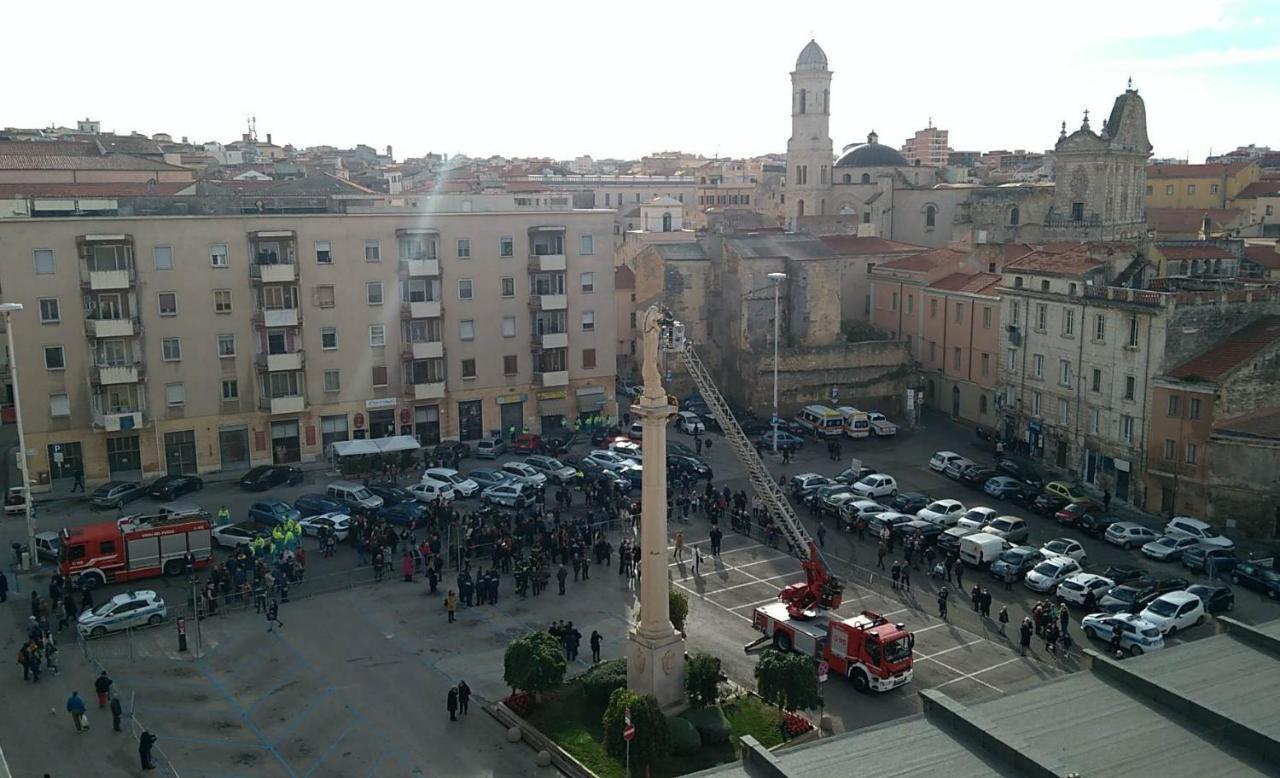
{"x":462,"y":485}
{"x":428,"y":489}
{"x":1012,"y":528}
{"x":512,"y":494}
{"x":1185,"y":526}
{"x":628,"y":449}
{"x":124,"y":611}
{"x":1046,"y":576}
{"x":609,"y":460}
{"x":863,"y":509}
{"x":1076,"y":589}
{"x":1064,"y":547}
{"x":690,"y":423}
{"x":939,"y":461}
{"x":1173,"y":611}
{"x":804,"y":483}
{"x":234,"y":535}
{"x":1136,"y":635}
{"x":1168,"y":548}
{"x":338,"y":524}
{"x":525,"y":474}
{"x":981,"y":516}
{"x":835,"y":503}
{"x":944,"y":513}
{"x":876,"y":485}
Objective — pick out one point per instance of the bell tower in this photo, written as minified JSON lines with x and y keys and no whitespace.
{"x":809,"y":152}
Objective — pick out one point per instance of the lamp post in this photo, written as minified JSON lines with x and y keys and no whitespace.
{"x":7,"y":309}
{"x":777,"y":279}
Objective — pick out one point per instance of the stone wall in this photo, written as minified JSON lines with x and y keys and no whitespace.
{"x":868,"y":374}
{"x":1243,"y":485}
{"x":1202,"y":319}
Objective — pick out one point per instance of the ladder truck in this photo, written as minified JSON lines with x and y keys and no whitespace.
{"x":874,"y":653}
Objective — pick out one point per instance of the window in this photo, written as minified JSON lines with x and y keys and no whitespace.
{"x":163,"y":256}
{"x":930,"y":216}
{"x":1068,"y":322}
{"x":1095,"y":420}
{"x":1017,"y":309}
{"x":1014,"y":216}
{"x":226,"y":346}
{"x":959,"y":313}
{"x":1133,"y":330}
{"x":1149,"y":189}
{"x":1130,"y":386}
{"x":1095,"y":382}
{"x":1035,"y":403}
{"x":222,"y":301}
{"x":373,"y":292}
{"x":468,"y":368}
{"x":467,"y":329}
{"x":1170,"y":449}
{"x":1013,"y":360}
{"x":1100,"y":327}
{"x":464,"y":248}
{"x":982,"y":403}
{"x":464,"y":288}
{"x":230,"y":389}
{"x":588,"y":283}
{"x":168,"y":303}
{"x":1175,"y":406}
{"x":588,"y":359}
{"x":1064,"y":411}
{"x":373,"y":251}
{"x":510,"y":365}
{"x":508,"y":286}
{"x":1044,"y":286}
{"x":506,"y":246}
{"x":911,"y":303}
{"x":1193,"y":408}
{"x":1037,"y":366}
{"x":986,"y":317}
{"x":1190,"y":451}
{"x":588,"y":321}
{"x":1064,"y":372}
{"x":1168,"y":189}
{"x":1213,"y":188}
{"x":328,"y":338}
{"x":377,"y":335}
{"x":1077,"y":212}
{"x":218,"y":255}
{"x":586,"y":244}
{"x":1042,"y":316}
{"x":933,"y":308}
{"x":1126,"y":428}
{"x":54,"y":359}
{"x":1191,"y":189}
{"x":175,"y":395}
{"x":332,"y":380}
{"x":508,"y":326}
{"x":171,"y":349}
{"x":324,"y":297}
{"x":933,"y":351}
{"x":893,"y":302}
{"x":955,"y":358}
{"x":986,"y":364}
{"x":379,"y":374}
{"x":44,"y":261}
{"x":324,"y":253}
{"x":49,"y":312}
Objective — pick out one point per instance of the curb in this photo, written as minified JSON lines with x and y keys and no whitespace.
{"x":561,"y":759}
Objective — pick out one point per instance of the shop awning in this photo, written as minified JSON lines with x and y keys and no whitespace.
{"x":346,"y":448}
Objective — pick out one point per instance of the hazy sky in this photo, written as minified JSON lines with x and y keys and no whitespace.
{"x":622,"y":80}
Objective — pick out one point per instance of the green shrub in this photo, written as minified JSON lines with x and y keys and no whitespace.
{"x":534,"y":663}
{"x":685,"y":739}
{"x":711,"y":723}
{"x":679,"y":606}
{"x":652,"y":740}
{"x":788,"y":680}
{"x":701,"y":679}
{"x":600,"y":681}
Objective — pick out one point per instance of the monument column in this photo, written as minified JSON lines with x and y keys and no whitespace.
{"x":655,"y":654}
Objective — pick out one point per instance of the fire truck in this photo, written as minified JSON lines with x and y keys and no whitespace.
{"x":134,"y":547}
{"x":867,"y":649}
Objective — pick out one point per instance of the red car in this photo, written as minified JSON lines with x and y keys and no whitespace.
{"x":526,"y":443}
{"x":1072,"y":512}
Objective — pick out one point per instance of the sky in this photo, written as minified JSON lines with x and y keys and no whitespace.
{"x":561,"y":79}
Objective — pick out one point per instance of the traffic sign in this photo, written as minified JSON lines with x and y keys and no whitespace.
{"x":628,"y":731}
{"x":823,"y":669}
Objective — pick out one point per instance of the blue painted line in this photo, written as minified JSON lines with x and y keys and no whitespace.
{"x":240,"y":669}
{"x":202,"y":741}
{"x":328,"y":751}
{"x":289,"y":678}
{"x":301,"y":715}
{"x":248,"y":720}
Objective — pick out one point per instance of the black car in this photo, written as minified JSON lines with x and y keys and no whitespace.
{"x":316,"y":504}
{"x":597,"y":473}
{"x":850,"y":475}
{"x":676,"y":447}
{"x":1216,"y":599}
{"x":1123,"y":574}
{"x":977,"y":477}
{"x":1048,"y":504}
{"x":404,"y":513}
{"x":263,"y":477}
{"x":390,"y":494}
{"x":1198,"y":558}
{"x":600,"y":434}
{"x":171,"y":487}
{"x":909,"y":502}
{"x":1020,"y":471}
{"x":452,"y":451}
{"x":1252,"y":575}
{"x":1025,"y":495}
{"x":558,"y":441}
{"x":695,"y":468}
{"x":927,"y":531}
{"x":1094,"y":524}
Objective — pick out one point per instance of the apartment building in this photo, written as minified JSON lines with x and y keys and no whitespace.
{"x":193,"y":344}
{"x":1199,"y":186}
{"x":927,"y":147}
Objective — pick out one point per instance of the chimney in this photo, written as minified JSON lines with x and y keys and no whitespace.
{"x":268,"y":139}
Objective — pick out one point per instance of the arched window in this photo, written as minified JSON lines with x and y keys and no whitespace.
{"x":800,"y":208}
{"x":1217,"y":267}
{"x":982,"y":403}
{"x":930,"y":216}
{"x":848,"y":179}
{"x":1014,"y":216}
{"x":666,"y":222}
{"x":866,"y":178}
{"x":1195,"y":267}
{"x":803,"y":96}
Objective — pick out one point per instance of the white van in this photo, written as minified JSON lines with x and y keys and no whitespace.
{"x":980,"y":549}
{"x":855,"y":422}
{"x":821,"y":421}
{"x":353,"y":495}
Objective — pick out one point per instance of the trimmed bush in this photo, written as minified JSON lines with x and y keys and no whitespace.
{"x":712,"y":725}
{"x":652,"y":741}
{"x":788,"y":680}
{"x":600,"y":681}
{"x":679,"y":607}
{"x":701,"y":679}
{"x":685,"y":739}
{"x":534,"y":663}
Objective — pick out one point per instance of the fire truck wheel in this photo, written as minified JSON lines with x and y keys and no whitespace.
{"x":782,"y":641}
{"x":90,"y":581}
{"x":860,"y":682}
{"x":173,"y":567}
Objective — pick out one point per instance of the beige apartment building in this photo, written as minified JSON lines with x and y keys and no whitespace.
{"x":194,"y":344}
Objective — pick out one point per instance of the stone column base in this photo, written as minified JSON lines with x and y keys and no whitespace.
{"x":656,"y":666}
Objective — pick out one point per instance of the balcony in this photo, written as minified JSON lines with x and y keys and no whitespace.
{"x":551,"y":340}
{"x":551,"y":379}
{"x":423,"y":267}
{"x":278,"y":317}
{"x":119,"y":422}
{"x":432,"y":391}
{"x":105,"y":280}
{"x":282,"y":273}
{"x":116,"y":374}
{"x":426,"y":350}
{"x":427,"y":309}
{"x":292,"y":360}
{"x":547,"y":263}
{"x":549,"y":302}
{"x":111,"y":328}
{"x":295,"y":403}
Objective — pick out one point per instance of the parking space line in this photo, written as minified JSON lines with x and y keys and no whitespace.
{"x":949,"y":650}
{"x":723,"y":550}
{"x":748,"y":583}
{"x":754,"y":604}
{"x":970,"y":676}
{"x":983,"y":670}
{"x":735,"y":567}
{"x":702,"y":598}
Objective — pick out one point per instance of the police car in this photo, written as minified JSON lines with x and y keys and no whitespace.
{"x":124,"y":611}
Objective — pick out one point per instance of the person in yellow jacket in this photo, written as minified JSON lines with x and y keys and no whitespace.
{"x":224,"y":516}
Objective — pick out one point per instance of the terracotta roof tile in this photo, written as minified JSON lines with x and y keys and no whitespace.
{"x":1266,"y":256}
{"x":1232,"y":351}
{"x":1074,"y":262}
{"x":1260,"y":189}
{"x":1195,"y":252}
{"x":1195,"y":171}
{"x":46,"y":148}
{"x":852,"y":245}
{"x":929,"y":260}
{"x":972,"y":283}
{"x":96,"y":189}
{"x":69,"y":162}
{"x":1262,"y":423}
{"x":1189,"y":220}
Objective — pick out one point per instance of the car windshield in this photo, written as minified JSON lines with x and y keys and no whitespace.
{"x":938,"y":507}
{"x":1149,"y":632}
{"x":1163,"y":608}
{"x":1124,"y":594}
{"x":1056,"y":546}
{"x":897,"y":651}
{"x":362,"y":493}
{"x":554,"y":464}
{"x":104,"y":609}
{"x":1012,"y":557}
{"x":1166,"y":542}
{"x":1049,"y":569}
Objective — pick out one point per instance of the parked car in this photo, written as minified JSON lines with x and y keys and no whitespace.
{"x":942,"y":512}
{"x":526,"y":443}
{"x":1076,"y":589}
{"x":927,"y":532}
{"x":491,"y":448}
{"x":977,"y":477}
{"x":786,"y":441}
{"x":691,"y":466}
{"x":171,"y":487}
{"x":143,"y":608}
{"x":939,"y":461}
{"x":486,"y":477}
{"x":1072,"y":492}
{"x":1127,"y":598}
{"x":1127,"y":534}
{"x":1026,"y":495}
{"x":817,"y":498}
{"x":1046,"y":576}
{"x":558,"y":441}
{"x":556,"y":471}
{"x":15,"y":501}
{"x":600,"y":434}
{"x":1020,"y":472}
{"x":1167,"y":548}
{"x":234,"y":535}
{"x":1002,"y":487}
{"x":860,"y":510}
{"x":337,"y":524}
{"x":610,"y":459}
{"x":1252,"y":575}
{"x":909,"y":502}
{"x":390,"y":493}
{"x":272,"y":512}
{"x":1011,"y":528}
{"x":1048,"y":504}
{"x":956,"y":467}
{"x":881,"y":427}
{"x":1072,"y":512}
{"x":877,"y":485}
{"x":834,"y":504}
{"x":1095,"y":524}
{"x":1198,"y":558}
{"x":1216,"y":599}
{"x":949,"y":539}
{"x":429,"y":489}
{"x":888,"y":519}
{"x":463,"y":486}
{"x":676,"y":447}
{"x":509,"y":495}
{"x":852,"y":475}
{"x":1174,"y":611}
{"x":1185,"y":526}
{"x":1123,"y":574}
{"x":627,"y":448}
{"x":1064,"y":547}
{"x":636,"y":431}
{"x":353,"y":495}
{"x":526,"y":474}
{"x":314,"y":504}
{"x":264,"y":477}
{"x":1136,"y":636}
{"x":1014,"y":563}
{"x":977,"y":517}
{"x":116,"y":494}
{"x":452,"y":451}
{"x":405,"y":513}
{"x":690,"y":423}
{"x":800,"y":485}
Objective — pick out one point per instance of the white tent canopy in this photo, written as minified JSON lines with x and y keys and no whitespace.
{"x":346,"y":448}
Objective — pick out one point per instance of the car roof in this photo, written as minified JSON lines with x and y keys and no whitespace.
{"x":947,"y":501}
{"x":1192,"y":521}
{"x":1177,"y":597}
{"x":141,"y":594}
{"x":946,"y":454}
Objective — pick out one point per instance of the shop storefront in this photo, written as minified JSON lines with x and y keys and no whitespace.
{"x":426,"y":424}
{"x":124,"y":458}
{"x":286,"y":443}
{"x":553,"y":409}
{"x":333,"y":429}
{"x":591,"y":404}
{"x":470,"y":420}
{"x":511,"y":414}
{"x":233,"y":446}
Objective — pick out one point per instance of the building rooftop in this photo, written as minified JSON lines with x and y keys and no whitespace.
{"x":1195,"y":252}
{"x":812,"y":57}
{"x":44,"y":161}
{"x":1266,"y":256}
{"x":95,"y":189}
{"x":872,"y":154}
{"x":1231,"y":352}
{"x":624,"y":277}
{"x":1075,"y":262}
{"x":1195,"y":171}
{"x":680,"y":251}
{"x":1265,"y":188}
{"x":971,"y":283}
{"x":853,"y":245}
{"x":929,"y":260}
{"x":1262,"y":423}
{"x":1191,"y":220}
{"x":769,"y":245}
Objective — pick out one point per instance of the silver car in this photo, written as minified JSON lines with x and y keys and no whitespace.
{"x":508,"y":495}
{"x":552,"y":468}
{"x":525,"y":474}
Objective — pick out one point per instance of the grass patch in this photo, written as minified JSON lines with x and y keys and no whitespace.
{"x":752,"y":716}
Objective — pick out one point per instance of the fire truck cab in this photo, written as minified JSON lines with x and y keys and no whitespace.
{"x":133,"y":547}
{"x":867,"y":649}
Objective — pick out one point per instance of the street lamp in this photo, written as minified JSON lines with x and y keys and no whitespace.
{"x":777,"y":279}
{"x":7,"y":309}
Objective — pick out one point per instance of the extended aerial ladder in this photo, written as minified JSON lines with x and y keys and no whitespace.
{"x":821,"y":590}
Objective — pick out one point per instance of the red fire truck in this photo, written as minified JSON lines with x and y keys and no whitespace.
{"x":867,"y":649}
{"x":134,"y":547}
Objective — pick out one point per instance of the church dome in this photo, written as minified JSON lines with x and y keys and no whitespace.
{"x":872,"y":154}
{"x":812,"y":57}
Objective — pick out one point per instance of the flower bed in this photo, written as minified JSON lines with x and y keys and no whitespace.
{"x":794,"y":725}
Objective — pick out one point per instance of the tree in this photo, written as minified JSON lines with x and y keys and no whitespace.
{"x":534,"y":663}
{"x":653,"y":738}
{"x":788,"y":680}
{"x":701,"y":679}
{"x":679,"y":606}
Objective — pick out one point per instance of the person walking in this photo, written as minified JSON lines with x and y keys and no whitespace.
{"x":464,"y":696}
{"x":986,"y":603}
{"x":942,"y":603}
{"x":596,"y":639}
{"x":4,"y":587}
{"x":451,"y":604}
{"x":102,"y":685}
{"x":273,"y":616}
{"x":1003,"y":618}
{"x":959,"y":570}
{"x":145,"y":743}
{"x":679,"y":545}
{"x":1024,"y":638}
{"x":561,"y":575}
{"x":451,"y":703}
{"x":76,"y":707}
{"x":1106,"y":500}
{"x":905,"y":574}
{"x":822,"y":536}
{"x":406,"y":566}
{"x":117,"y":712}
{"x":895,"y":572}
{"x":881,"y":550}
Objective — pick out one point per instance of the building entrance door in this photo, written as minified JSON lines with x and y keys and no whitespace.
{"x":470,"y":420}
{"x":286,"y":446}
{"x":233,"y":446}
{"x":124,"y":458}
{"x":512,"y":418}
{"x":65,"y":460}
{"x":180,"y":452}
